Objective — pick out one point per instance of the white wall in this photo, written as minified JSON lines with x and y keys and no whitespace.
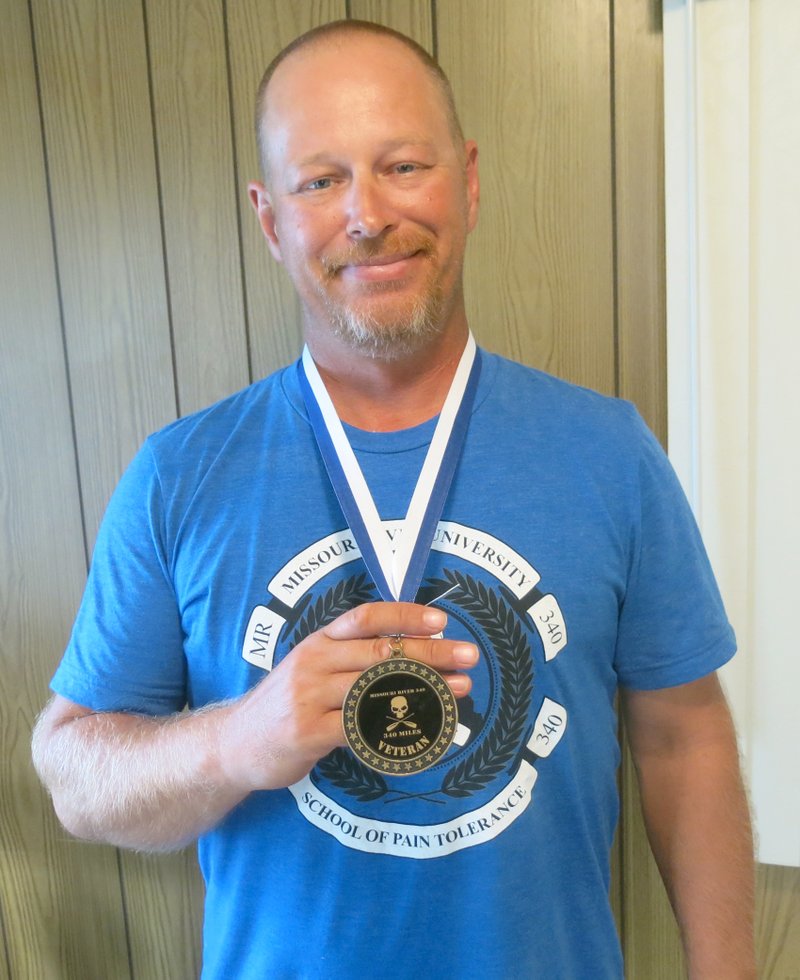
{"x":732,"y":91}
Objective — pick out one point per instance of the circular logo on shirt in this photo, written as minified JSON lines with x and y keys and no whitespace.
{"x":463,"y":793}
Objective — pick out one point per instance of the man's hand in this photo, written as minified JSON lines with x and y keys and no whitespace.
{"x":157,"y":783}
{"x":274,"y":734}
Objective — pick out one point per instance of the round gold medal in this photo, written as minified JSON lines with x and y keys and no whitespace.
{"x":400,"y":716}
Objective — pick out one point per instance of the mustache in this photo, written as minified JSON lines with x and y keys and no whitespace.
{"x":360,"y":251}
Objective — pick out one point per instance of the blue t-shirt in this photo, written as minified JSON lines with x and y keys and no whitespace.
{"x":566,"y":551}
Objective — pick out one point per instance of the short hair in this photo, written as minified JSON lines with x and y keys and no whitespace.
{"x":342,"y":28}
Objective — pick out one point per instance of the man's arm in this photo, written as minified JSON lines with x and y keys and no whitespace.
{"x":156,"y":784}
{"x":149,"y":783}
{"x":697,"y":818}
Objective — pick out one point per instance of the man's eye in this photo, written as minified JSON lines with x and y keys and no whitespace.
{"x":405,"y":168}
{"x":320,"y":184}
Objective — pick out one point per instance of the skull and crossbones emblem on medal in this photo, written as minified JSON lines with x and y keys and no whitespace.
{"x":400,"y":714}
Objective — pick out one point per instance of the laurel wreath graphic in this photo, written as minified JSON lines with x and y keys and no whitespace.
{"x":501,"y":626}
{"x":350,"y":774}
{"x":337,"y":600}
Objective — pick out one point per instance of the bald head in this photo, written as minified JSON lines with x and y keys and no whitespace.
{"x":336,"y":35}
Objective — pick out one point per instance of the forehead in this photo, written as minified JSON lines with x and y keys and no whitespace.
{"x":348,"y":85}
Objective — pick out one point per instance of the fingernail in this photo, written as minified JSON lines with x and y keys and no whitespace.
{"x":459,"y":685}
{"x":434,"y":618}
{"x":465,"y":654}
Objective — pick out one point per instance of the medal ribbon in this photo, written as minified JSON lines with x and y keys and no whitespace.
{"x":396,"y":576}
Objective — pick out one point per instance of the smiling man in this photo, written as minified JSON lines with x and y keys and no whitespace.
{"x":372,"y":194}
{"x":400,"y":637}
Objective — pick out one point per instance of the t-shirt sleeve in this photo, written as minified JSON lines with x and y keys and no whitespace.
{"x":126,"y":648}
{"x":672,"y":627}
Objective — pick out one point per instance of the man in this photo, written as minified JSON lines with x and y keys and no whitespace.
{"x":560,"y":562}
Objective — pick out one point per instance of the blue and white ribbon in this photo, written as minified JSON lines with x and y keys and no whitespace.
{"x":397,"y":574}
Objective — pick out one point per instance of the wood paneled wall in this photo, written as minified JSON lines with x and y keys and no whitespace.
{"x":136,"y":287}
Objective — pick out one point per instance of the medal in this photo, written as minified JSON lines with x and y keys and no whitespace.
{"x":400,"y":716}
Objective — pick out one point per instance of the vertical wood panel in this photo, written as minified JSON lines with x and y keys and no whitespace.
{"x":639,"y":218}
{"x":532,"y":83}
{"x":778,"y":922}
{"x":5,"y":964}
{"x":198,"y":193}
{"x":650,"y":937}
{"x":164,"y":909}
{"x":411,"y":17}
{"x":99,"y":133}
{"x":48,"y":885}
{"x":257,"y":30}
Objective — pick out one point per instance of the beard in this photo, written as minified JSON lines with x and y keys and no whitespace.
{"x":392,"y":333}
{"x":395,"y":328}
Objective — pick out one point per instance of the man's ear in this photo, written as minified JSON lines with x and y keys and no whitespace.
{"x":262,"y":205}
{"x":473,"y":183}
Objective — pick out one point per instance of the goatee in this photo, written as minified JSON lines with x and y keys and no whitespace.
{"x":394,"y":335}
{"x":398,"y":328}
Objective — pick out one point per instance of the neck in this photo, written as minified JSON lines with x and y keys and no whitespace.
{"x":386,"y":395}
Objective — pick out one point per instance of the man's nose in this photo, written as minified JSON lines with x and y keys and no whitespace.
{"x":368,"y":210}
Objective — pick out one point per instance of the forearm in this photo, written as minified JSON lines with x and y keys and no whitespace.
{"x":698,"y":825}
{"x":155,"y":784}
{"x":136,"y":781}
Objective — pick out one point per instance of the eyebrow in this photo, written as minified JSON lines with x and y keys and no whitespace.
{"x":389,"y":146}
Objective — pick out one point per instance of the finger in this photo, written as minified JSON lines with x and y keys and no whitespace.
{"x":346,"y":661}
{"x":386,"y":618}
{"x":443,"y":655}
{"x":460,"y":684}
{"x":330,"y":657}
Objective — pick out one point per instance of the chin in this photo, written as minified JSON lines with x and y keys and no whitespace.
{"x":390,"y":336}
{"x":386,"y":341}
